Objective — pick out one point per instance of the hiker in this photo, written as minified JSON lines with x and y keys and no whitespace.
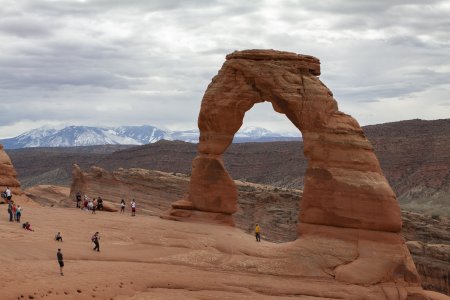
{"x":13,"y":210}
{"x":10,"y":211}
{"x":90,"y":204}
{"x":78,"y":196}
{"x":133,"y":208}
{"x":95,"y":239}
{"x":59,"y":256}
{"x":122,"y":206}
{"x":257,"y":233}
{"x":27,"y":226}
{"x":99,"y":203}
{"x":8,"y":194}
{"x":18,"y":213}
{"x":94,"y":206}
{"x":85,"y":203}
{"x":58,"y":237}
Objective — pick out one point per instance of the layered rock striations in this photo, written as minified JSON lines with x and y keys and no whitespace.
{"x":152,"y":190}
{"x":275,"y":209}
{"x":347,"y":204}
{"x":414,"y":156}
{"x":344,"y":185}
{"x":8,"y":175}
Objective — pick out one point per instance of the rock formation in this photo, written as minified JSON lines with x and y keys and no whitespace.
{"x":275,"y":209}
{"x":147,"y":187}
{"x":8,"y":175}
{"x":348,"y":207}
{"x":428,"y":239}
{"x":344,"y":185}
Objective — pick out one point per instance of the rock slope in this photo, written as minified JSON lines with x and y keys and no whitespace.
{"x":275,"y":209}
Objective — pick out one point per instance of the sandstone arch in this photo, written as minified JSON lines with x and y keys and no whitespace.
{"x":344,"y":185}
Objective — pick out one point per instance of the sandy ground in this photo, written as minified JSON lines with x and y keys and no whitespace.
{"x":145,"y":257}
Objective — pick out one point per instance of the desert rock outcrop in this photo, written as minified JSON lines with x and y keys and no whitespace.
{"x":8,"y":175}
{"x":344,"y":185}
{"x":275,"y":209}
{"x":346,"y":198}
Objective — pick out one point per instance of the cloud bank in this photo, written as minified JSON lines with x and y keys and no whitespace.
{"x":111,"y":62}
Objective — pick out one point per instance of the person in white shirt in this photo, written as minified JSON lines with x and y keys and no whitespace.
{"x":8,"y":193}
{"x":133,"y":208}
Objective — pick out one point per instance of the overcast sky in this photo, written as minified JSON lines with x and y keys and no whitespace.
{"x":134,"y":62}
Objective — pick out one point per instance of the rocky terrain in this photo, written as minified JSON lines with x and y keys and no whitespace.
{"x":154,"y":191}
{"x":413,"y":155}
{"x":349,"y":220}
{"x":145,"y":257}
{"x":275,"y":209}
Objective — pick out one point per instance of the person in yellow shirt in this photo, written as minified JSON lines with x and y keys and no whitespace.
{"x":257,"y":233}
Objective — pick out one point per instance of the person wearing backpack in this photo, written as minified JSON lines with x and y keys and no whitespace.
{"x":95,"y":239}
{"x":18,"y":213}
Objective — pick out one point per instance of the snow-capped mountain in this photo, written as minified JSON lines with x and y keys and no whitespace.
{"x":127,"y":135}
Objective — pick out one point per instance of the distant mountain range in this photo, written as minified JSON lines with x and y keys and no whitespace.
{"x":70,"y":136}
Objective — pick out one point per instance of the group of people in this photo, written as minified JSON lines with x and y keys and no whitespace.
{"x":15,"y":213}
{"x":14,"y":210}
{"x":89,"y":204}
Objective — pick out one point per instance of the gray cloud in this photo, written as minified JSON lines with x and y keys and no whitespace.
{"x":111,"y":62}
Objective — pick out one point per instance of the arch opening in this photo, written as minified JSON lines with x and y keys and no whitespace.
{"x":263,"y":181}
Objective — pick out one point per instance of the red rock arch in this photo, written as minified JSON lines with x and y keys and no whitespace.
{"x":344,"y":185}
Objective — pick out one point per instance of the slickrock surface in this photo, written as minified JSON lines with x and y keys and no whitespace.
{"x":346,"y":197}
{"x":154,"y":191}
{"x":145,"y":257}
{"x":275,"y":209}
{"x":8,"y":175}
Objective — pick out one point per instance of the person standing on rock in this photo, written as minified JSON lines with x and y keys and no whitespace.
{"x":99,"y":203}
{"x":8,"y":194}
{"x":95,"y":239}
{"x":10,"y":211}
{"x":94,"y":205}
{"x":58,"y":237}
{"x":122,"y":206}
{"x":133,"y":208}
{"x":59,"y":256}
{"x":14,"y":209}
{"x":257,"y":233}
{"x":18,"y":213}
{"x":78,"y":196}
